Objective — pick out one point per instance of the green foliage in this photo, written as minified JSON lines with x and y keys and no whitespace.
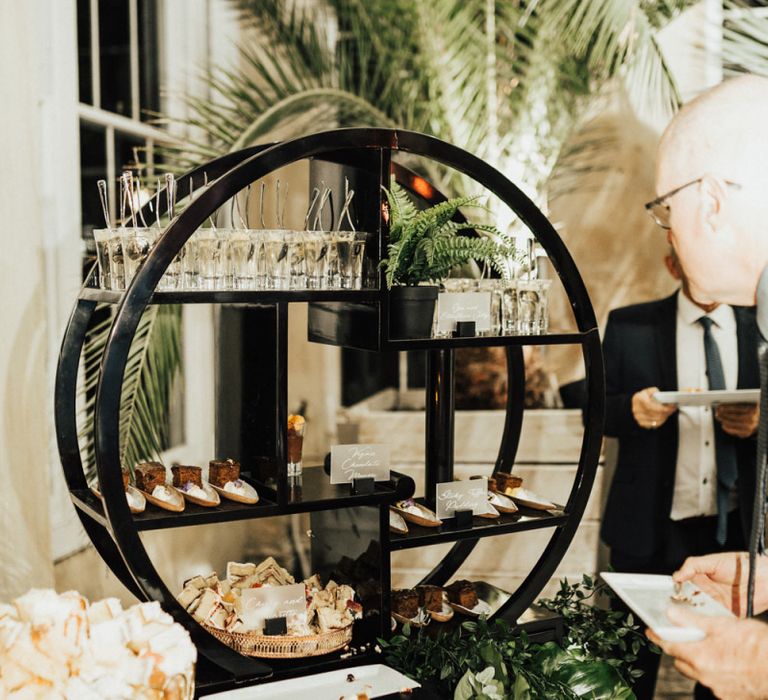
{"x":152,"y":368}
{"x":424,"y":246}
{"x":603,"y":634}
{"x":485,"y":660}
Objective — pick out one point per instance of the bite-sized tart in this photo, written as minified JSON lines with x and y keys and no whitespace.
{"x":204,"y":495}
{"x":397,"y":524}
{"x":136,"y":501}
{"x":237,"y":490}
{"x":417,"y":513}
{"x":527,"y":498}
{"x":505,"y":482}
{"x":166,"y":497}
{"x":502,"y":502}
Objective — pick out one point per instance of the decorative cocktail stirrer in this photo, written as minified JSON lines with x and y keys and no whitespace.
{"x":261,"y":205}
{"x":128,"y":186}
{"x":170,"y":195}
{"x":280,"y":213}
{"x":205,"y":184}
{"x":348,"y":195}
{"x":318,"y":222}
{"x":102,"y":185}
{"x":313,"y":201}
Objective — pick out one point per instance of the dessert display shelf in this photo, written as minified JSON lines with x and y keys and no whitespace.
{"x":352,"y":318}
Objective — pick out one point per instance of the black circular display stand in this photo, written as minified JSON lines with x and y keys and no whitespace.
{"x":351,"y":318}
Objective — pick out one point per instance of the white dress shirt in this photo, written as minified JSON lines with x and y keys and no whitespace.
{"x":696,"y":474}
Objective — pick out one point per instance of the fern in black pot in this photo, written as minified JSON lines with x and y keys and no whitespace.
{"x":424,"y":246}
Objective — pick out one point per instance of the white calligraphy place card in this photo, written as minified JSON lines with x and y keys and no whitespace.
{"x":463,"y":306}
{"x":350,"y":462}
{"x":462,"y":495}
{"x":258,"y":604}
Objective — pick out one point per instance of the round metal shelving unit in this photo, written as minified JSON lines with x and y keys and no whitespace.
{"x":115,"y":532}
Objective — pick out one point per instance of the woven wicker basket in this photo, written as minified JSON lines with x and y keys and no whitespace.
{"x":284,"y":647}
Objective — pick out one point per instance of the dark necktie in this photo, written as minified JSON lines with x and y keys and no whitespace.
{"x":725,"y":450}
{"x":757,"y":536}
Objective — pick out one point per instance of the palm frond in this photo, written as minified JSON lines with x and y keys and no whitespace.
{"x":152,"y":368}
{"x":745,"y":37}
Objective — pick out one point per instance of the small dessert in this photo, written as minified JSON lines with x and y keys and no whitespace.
{"x":462,"y":593}
{"x":524,"y":497}
{"x":296,"y":425}
{"x":430,"y":597}
{"x":219,"y":604}
{"x":405,"y":603}
{"x":223,"y":471}
{"x":417,"y":513}
{"x":502,"y":502}
{"x":184,"y":474}
{"x":505,"y":482}
{"x":396,"y":523}
{"x":149,"y":475}
{"x":136,"y":501}
{"x":126,"y":479}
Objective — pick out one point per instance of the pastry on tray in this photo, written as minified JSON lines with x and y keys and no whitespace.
{"x":224,"y":477}
{"x":150,"y":479}
{"x":462,"y":593}
{"x":527,"y":498}
{"x":397,"y":523}
{"x":136,"y":501}
{"x":502,"y":502}
{"x":149,"y":475}
{"x":430,"y":597}
{"x":417,"y":513}
{"x":217,"y":603}
{"x":188,"y":480}
{"x":405,"y":603}
{"x":505,"y":482}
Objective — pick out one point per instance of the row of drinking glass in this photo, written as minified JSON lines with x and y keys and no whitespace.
{"x":517,"y":307}
{"x":237,"y":259}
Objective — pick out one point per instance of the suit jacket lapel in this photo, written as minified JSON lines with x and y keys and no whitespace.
{"x":666,"y":343}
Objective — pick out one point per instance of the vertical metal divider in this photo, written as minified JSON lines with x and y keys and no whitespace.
{"x":439,"y":418}
{"x":281,"y":401}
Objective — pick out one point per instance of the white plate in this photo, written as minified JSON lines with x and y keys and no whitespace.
{"x":650,"y":597}
{"x":708,"y":398}
{"x":374,"y":680}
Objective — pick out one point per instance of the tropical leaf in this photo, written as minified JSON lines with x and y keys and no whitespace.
{"x":745,"y":37}
{"x":152,"y":368}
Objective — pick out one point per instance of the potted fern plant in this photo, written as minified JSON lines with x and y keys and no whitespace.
{"x":424,"y":246}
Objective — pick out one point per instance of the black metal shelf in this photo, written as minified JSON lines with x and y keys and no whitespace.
{"x":257,"y":296}
{"x":154,"y":518}
{"x":557,"y":338}
{"x":312,"y":492}
{"x":526,"y":519}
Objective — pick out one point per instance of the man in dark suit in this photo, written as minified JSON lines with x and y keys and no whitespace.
{"x":669,"y":499}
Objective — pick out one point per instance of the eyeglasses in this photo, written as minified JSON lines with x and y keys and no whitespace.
{"x":660,"y":211}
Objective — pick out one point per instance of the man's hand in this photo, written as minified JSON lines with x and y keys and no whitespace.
{"x":730,"y":660}
{"x":724,"y":577}
{"x":649,"y":413}
{"x":738,"y":419}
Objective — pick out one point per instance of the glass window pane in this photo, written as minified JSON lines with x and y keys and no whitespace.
{"x":114,"y":49}
{"x":149,"y":62}
{"x":93,"y":167}
{"x":85,"y":75}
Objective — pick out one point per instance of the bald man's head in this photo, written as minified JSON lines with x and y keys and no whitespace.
{"x":719,"y":223}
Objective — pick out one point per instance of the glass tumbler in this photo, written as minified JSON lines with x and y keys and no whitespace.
{"x":316,"y":258}
{"x":276,"y":259}
{"x":242,"y":259}
{"x":509,"y":308}
{"x":345,"y":245}
{"x":532,"y":306}
{"x":102,"y":236}
{"x":495,"y":288}
{"x":296,"y":426}
{"x":137,"y":245}
{"x":210,"y":259}
{"x":297,"y":273}
{"x":259,"y":258}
